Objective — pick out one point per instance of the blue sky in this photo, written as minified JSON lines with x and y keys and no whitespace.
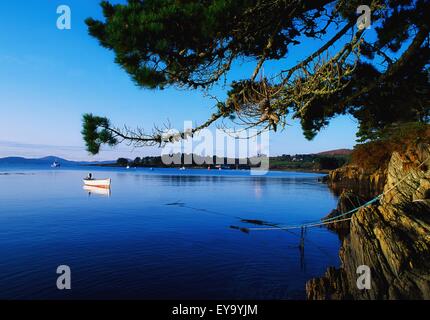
{"x":50,"y":77}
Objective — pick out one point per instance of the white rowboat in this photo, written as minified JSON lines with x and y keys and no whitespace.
{"x":103,"y":183}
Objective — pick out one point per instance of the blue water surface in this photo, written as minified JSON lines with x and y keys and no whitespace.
{"x":161,"y":234}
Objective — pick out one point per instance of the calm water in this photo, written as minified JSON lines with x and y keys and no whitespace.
{"x":162,"y":234}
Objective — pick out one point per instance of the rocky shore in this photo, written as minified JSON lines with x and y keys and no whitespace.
{"x":357,"y":180}
{"x":392,"y":236}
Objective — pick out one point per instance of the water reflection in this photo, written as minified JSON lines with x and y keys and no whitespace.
{"x":97,"y":191}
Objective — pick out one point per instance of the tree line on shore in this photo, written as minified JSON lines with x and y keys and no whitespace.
{"x":283,"y":162}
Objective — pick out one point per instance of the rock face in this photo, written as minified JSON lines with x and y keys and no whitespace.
{"x":347,"y":202}
{"x":392,"y":237}
{"x":358,"y":181}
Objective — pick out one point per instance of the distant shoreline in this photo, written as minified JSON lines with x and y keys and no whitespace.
{"x":114,"y":165}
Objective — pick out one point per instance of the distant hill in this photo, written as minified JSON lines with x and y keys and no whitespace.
{"x":46,"y":161}
{"x":337,"y":152}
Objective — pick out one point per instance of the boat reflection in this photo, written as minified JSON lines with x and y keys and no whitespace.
{"x":97,"y":191}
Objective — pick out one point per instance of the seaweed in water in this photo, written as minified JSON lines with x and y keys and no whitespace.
{"x":177,"y":203}
{"x":258,"y":222}
{"x":244,"y":230}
